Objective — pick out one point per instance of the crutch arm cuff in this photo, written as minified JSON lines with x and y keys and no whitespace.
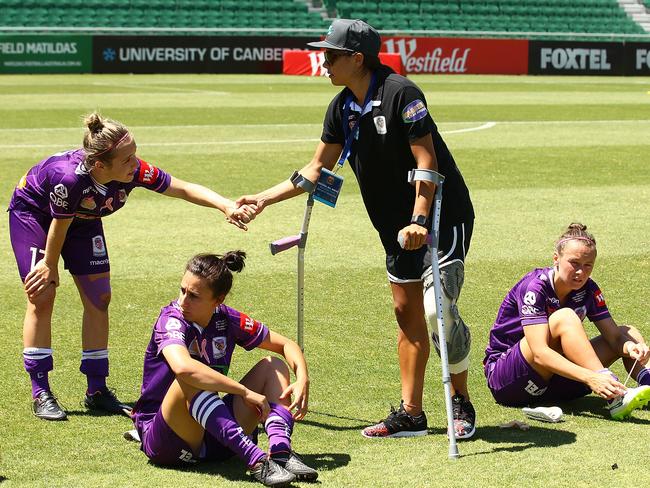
{"x":299,"y":181}
{"x":425,"y":175}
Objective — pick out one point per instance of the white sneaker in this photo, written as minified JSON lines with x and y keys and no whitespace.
{"x":622,"y":406}
{"x":132,"y":435}
{"x":544,"y":414}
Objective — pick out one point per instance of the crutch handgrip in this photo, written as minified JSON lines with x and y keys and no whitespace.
{"x":284,"y":244}
{"x":400,"y":239}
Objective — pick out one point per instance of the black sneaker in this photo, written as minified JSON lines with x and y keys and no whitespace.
{"x":293,"y":463}
{"x":270,"y":474}
{"x":398,"y":424}
{"x":106,"y":401}
{"x":464,"y":417}
{"x":46,"y":407}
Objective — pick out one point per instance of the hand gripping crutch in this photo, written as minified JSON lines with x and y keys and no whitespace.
{"x":437,"y":179}
{"x":301,"y":241}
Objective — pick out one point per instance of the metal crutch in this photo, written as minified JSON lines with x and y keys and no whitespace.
{"x":301,"y":241}
{"x":432,"y":240}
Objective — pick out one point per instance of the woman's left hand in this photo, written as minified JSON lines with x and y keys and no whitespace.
{"x":300,"y":391}
{"x":639,"y":351}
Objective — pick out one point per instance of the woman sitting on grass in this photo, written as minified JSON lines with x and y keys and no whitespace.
{"x":539,"y":351}
{"x":180,"y":416}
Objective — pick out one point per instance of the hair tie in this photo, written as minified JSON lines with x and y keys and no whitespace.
{"x":110,"y":148}
{"x":577,"y":238}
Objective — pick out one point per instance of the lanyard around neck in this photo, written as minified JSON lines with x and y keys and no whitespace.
{"x":351,"y":132}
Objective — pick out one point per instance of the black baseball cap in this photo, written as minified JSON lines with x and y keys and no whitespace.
{"x":351,"y":35}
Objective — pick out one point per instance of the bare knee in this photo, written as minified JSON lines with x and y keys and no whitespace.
{"x":274,"y":364}
{"x":562,"y":319}
{"x":44,"y":301}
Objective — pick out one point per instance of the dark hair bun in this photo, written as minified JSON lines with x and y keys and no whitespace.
{"x":94,"y":122}
{"x":577,"y":226}
{"x":234,"y":260}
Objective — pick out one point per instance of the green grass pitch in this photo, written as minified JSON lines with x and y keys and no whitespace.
{"x":560,"y":149}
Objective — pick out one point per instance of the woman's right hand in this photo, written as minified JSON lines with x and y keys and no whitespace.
{"x":605,"y":385}
{"x":39,"y":278}
{"x":258,"y":402}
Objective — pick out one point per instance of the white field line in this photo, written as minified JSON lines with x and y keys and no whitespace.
{"x":484,"y":126}
{"x":161,"y":88}
{"x":225,"y":143}
{"x":164,"y":144}
{"x":255,"y":126}
{"x":487,"y":125}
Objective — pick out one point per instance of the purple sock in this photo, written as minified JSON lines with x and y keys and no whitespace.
{"x":94,"y":364}
{"x":279,"y":426}
{"x":210,"y":411}
{"x":38,"y":363}
{"x":643,"y":378}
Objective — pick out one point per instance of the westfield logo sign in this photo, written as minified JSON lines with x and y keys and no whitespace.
{"x":429,"y":59}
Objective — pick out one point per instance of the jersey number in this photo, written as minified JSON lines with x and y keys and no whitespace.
{"x":35,"y":252}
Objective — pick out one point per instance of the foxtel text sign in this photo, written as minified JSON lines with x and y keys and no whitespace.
{"x":460,"y":56}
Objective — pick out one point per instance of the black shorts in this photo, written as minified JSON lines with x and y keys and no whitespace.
{"x":407,"y":266}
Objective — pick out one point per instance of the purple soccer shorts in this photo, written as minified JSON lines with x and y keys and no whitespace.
{"x":513,"y":382}
{"x":164,"y":447}
{"x":84,"y":250}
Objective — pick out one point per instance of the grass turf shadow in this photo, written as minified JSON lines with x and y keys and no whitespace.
{"x":522,"y":439}
{"x":94,"y":413}
{"x":234,"y":470}
{"x":362,"y":423}
{"x":594,"y":407}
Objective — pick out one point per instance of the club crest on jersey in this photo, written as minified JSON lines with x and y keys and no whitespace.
{"x":219,"y":346}
{"x":121,"y":196}
{"x":99,"y":249}
{"x":581,"y":312}
{"x":60,"y":190}
{"x":248,"y":325}
{"x":414,"y":111}
{"x":600,"y":299}
{"x":148,"y":173}
{"x":88,"y":203}
{"x":380,"y":124}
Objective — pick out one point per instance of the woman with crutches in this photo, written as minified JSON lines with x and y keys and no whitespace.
{"x":380,"y":123}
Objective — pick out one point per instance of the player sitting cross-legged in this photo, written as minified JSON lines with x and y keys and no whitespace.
{"x":190,"y":410}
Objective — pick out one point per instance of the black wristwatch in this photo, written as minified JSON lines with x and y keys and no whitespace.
{"x":420,"y":220}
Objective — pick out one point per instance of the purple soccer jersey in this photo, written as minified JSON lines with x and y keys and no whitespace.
{"x":60,"y":187}
{"x":531,"y":301}
{"x":212,"y":346}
